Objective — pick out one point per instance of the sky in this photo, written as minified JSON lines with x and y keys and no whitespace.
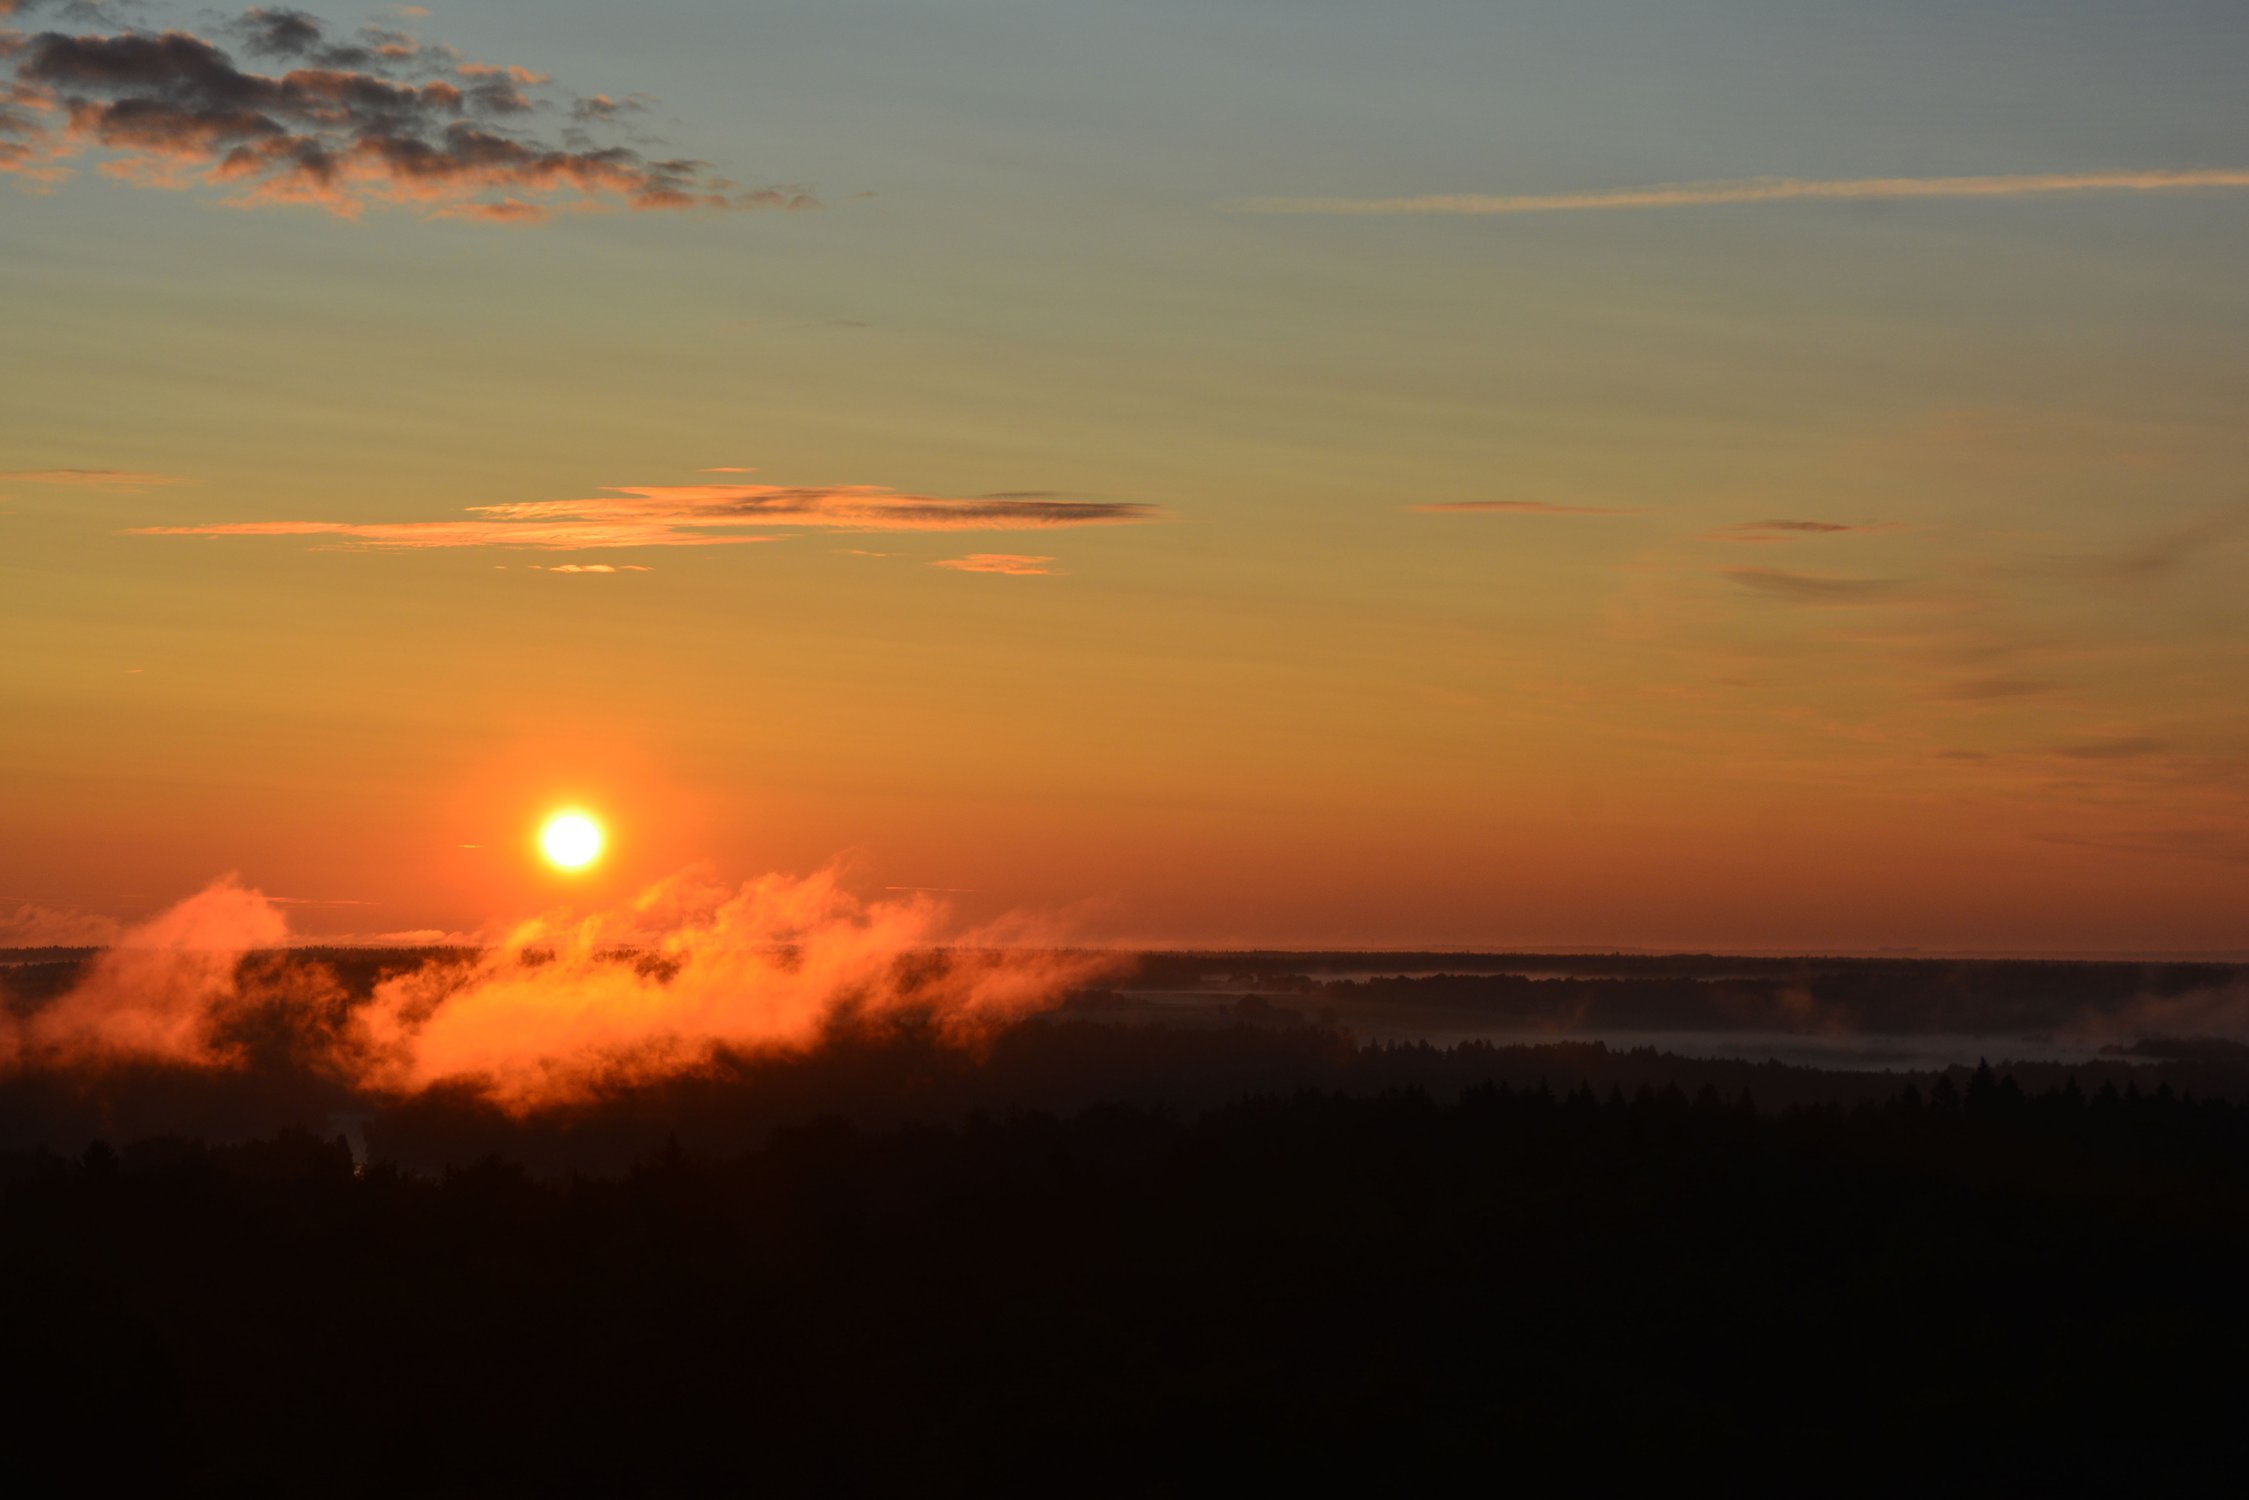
{"x":1698,"y":475}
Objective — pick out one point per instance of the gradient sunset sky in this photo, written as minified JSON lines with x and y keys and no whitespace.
{"x":1714,"y":475}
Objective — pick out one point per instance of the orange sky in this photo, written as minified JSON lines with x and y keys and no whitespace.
{"x":976,"y":492}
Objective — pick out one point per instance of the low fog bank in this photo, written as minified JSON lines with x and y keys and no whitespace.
{"x":2083,"y":1004}
{"x":280,"y":1053}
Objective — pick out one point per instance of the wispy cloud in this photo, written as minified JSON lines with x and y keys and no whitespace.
{"x":2224,"y":845}
{"x":124,"y":480}
{"x":1792,"y":531}
{"x":2131,"y":567}
{"x":1816,"y":588}
{"x":696,"y":515}
{"x":2123,"y":747}
{"x":2161,"y":555}
{"x":1515,"y":508}
{"x":591,"y":568}
{"x":853,"y":507}
{"x":1013,"y":564}
{"x":1994,"y":689}
{"x":47,"y":927}
{"x":1765,"y":190}
{"x":340,"y":122}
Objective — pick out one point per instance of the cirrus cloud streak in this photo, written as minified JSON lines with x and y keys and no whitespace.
{"x":1816,"y":588}
{"x":1514,"y":508}
{"x":1765,"y":190}
{"x":126,"y":480}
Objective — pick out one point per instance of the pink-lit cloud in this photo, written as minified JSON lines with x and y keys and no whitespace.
{"x":378,"y":117}
{"x":696,"y":515}
{"x":566,"y":536}
{"x":1012,"y":564}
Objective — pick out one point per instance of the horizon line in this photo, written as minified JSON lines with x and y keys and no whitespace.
{"x":1871,"y":954}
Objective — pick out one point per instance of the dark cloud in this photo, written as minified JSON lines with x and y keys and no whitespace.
{"x":603,"y":109}
{"x":381,"y":118}
{"x":282,"y":33}
{"x":1816,"y":588}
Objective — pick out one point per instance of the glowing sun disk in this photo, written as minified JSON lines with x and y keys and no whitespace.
{"x":571,"y":840}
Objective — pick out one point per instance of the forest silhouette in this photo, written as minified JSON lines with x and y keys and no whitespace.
{"x":1100,"y":1255}
{"x":1975,"y":1283}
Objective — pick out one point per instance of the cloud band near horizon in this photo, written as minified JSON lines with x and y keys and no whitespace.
{"x":695,"y":515}
{"x":1764,"y":190}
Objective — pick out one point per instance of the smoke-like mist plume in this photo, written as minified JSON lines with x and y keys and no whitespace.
{"x":162,"y":993}
{"x":566,"y":1004}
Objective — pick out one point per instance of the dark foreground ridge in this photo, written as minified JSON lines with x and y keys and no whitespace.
{"x":1236,"y":1223}
{"x":1964,"y":1286}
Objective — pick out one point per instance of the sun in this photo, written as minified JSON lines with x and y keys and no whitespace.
{"x":571,"y":840}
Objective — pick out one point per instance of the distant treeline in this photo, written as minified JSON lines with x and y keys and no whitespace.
{"x":1190,"y":966}
{"x":1716,"y":993}
{"x":1965,"y":1285}
{"x":901,"y":1074}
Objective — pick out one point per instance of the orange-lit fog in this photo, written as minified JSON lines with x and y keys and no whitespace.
{"x":563,"y":1004}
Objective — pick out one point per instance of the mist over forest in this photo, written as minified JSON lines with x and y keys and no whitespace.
{"x":276,"y":1045}
{"x":1149,"y":750}
{"x":1248,"y":1218}
{"x":1129,"y":1257}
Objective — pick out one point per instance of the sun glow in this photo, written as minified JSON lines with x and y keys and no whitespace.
{"x":571,"y":840}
